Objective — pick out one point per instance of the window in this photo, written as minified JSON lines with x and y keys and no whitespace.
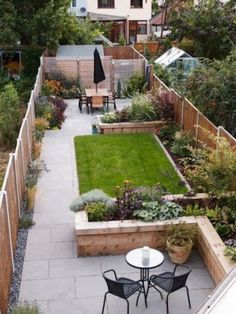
{"x":142,"y":27}
{"x":136,"y":4}
{"x":109,"y":4}
{"x":73,"y":3}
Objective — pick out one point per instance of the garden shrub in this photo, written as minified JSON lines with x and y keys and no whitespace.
{"x":161,"y":103}
{"x":181,"y":146}
{"x":40,"y":124}
{"x":215,"y":171}
{"x":58,"y":117}
{"x":136,"y":84}
{"x":230,"y":252}
{"x":110,"y":117}
{"x":51,"y":87}
{"x":96,"y":211}
{"x":93,"y":196}
{"x":9,"y":116}
{"x":141,"y":109}
{"x":168,"y":131}
{"x":123,"y":115}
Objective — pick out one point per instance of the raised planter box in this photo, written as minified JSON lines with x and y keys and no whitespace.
{"x":129,"y":127}
{"x":118,"y":237}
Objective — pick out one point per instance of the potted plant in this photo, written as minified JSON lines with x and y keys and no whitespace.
{"x":94,"y":129}
{"x":180,"y":241}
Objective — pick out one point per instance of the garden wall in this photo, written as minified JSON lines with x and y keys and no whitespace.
{"x":119,"y":237}
{"x":130,"y":127}
{"x":12,"y":193}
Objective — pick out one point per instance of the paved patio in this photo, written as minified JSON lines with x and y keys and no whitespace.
{"x":53,"y":276}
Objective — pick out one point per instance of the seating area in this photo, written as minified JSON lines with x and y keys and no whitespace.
{"x":99,"y":99}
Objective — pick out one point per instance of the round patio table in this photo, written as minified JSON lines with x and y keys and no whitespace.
{"x":135,"y":259}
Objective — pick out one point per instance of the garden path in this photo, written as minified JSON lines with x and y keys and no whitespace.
{"x":52,"y":275}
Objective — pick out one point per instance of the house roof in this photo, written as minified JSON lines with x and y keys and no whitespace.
{"x":78,"y":51}
{"x":105,"y":17}
{"x":159,"y":18}
{"x":170,"y":56}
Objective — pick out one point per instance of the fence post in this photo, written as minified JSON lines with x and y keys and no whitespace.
{"x":22,"y":155}
{"x":182,"y":113}
{"x":16,"y":182}
{"x":28,"y":138}
{"x":9,"y":229}
{"x":197,"y":128}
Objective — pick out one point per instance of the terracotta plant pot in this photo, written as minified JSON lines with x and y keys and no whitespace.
{"x":179,"y":254}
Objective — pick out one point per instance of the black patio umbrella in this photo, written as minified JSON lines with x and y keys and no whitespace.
{"x":98,"y":75}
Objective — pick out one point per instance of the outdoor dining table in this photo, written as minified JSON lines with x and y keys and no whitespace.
{"x":90,"y":92}
{"x":135,"y":259}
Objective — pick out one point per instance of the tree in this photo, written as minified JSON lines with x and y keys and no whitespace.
{"x":45,"y":23}
{"x":87,"y":31}
{"x":212,"y":88}
{"x":8,"y":34}
{"x":211,"y":26}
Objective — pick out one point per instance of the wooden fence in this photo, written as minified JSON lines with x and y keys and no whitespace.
{"x":12,"y":194}
{"x":191,"y":119}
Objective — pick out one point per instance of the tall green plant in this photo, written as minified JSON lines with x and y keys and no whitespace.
{"x":9,"y":116}
{"x":215,"y":171}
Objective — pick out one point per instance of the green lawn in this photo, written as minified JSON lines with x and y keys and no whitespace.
{"x":105,"y":161}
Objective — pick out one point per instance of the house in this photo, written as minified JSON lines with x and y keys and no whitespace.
{"x":130,"y":17}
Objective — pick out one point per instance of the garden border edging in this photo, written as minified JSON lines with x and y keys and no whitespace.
{"x":118,"y":237}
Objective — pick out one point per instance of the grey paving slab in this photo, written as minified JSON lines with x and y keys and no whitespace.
{"x":47,"y":289}
{"x":47,"y":251}
{"x":53,"y":218}
{"x":74,"y":267}
{"x":39,"y":235}
{"x":90,"y":285}
{"x":53,"y":276}
{"x":62,"y":233}
{"x":90,"y":305}
{"x":35,"y":270}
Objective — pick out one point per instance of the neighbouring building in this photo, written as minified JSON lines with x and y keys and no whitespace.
{"x":130,"y":17}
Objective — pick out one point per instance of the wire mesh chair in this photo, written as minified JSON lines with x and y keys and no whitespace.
{"x":170,"y":282}
{"x":121,"y":287}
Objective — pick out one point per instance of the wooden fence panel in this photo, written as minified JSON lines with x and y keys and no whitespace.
{"x":121,"y":52}
{"x":190,"y":117}
{"x":203,"y":137}
{"x":5,"y":258}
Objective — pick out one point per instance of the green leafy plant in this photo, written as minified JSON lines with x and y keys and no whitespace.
{"x":141,"y":109}
{"x":26,"y":308}
{"x":122,"y":40}
{"x":96,"y":211}
{"x":135,"y":84}
{"x":230,"y":252}
{"x":152,"y":211}
{"x":180,"y":233}
{"x":181,"y":147}
{"x":215,"y":171}
{"x":35,"y":168}
{"x":110,"y":117}
{"x":9,"y":116}
{"x":26,"y":222}
{"x":119,"y":89}
{"x":193,"y":210}
{"x":168,"y":131}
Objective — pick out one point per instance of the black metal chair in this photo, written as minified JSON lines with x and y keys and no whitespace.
{"x":112,"y":99}
{"x":170,"y":282}
{"x":83,"y":101}
{"x":121,"y":287}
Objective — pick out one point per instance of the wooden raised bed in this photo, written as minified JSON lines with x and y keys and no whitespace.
{"x":130,"y":127}
{"x":118,"y":237}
